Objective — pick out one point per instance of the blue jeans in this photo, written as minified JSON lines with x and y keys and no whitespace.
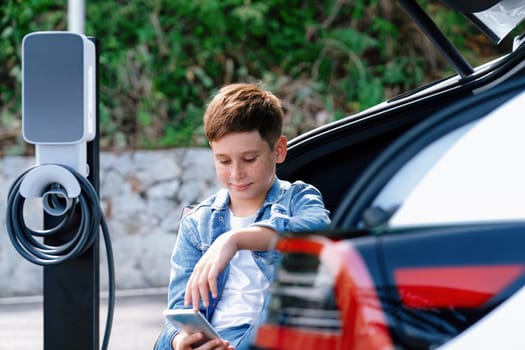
{"x":240,"y":337}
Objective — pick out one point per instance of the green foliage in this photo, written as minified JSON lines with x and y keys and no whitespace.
{"x":161,"y":61}
{"x":17,"y":18}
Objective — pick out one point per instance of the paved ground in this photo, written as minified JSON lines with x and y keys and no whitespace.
{"x":136,"y":324}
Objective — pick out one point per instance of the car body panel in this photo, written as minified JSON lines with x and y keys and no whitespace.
{"x":426,"y":193}
{"x":439,"y":281}
{"x":501,"y":329}
{"x":412,"y":283}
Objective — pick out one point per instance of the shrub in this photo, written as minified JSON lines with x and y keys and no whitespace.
{"x":161,"y":61}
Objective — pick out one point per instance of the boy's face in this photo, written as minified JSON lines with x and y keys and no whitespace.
{"x":245,"y":165}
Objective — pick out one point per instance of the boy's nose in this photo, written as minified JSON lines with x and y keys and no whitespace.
{"x":237,"y":171}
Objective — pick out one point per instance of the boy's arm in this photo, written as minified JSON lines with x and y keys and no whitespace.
{"x":184,"y":257}
{"x":203,"y":280}
{"x":254,"y":238}
{"x":305,"y":213}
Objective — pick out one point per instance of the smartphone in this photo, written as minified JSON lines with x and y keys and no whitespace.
{"x":190,"y":322}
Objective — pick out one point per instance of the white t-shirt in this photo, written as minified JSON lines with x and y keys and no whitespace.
{"x":243,"y":295}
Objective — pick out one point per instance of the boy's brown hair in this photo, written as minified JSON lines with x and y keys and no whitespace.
{"x":244,"y":107}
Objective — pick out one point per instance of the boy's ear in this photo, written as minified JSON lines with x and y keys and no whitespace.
{"x":280,"y":149}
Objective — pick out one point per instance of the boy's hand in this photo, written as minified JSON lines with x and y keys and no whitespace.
{"x":203,"y":279}
{"x":182,"y":341}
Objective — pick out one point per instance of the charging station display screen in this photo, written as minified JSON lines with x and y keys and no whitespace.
{"x":53,"y":88}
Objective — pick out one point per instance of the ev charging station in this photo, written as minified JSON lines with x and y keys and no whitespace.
{"x":60,"y":117}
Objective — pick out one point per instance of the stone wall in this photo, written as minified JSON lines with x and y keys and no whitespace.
{"x":142,"y":194}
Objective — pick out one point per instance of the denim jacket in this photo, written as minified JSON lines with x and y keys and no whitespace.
{"x":287,"y":207}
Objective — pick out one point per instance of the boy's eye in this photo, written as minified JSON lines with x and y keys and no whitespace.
{"x":224,"y":161}
{"x":249,"y":160}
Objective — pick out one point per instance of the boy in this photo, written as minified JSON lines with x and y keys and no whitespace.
{"x":222,"y":264}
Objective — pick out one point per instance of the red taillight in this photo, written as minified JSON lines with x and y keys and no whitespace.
{"x":323,"y":298}
{"x":286,"y":338}
{"x":364,"y":321}
{"x":313,"y":245}
{"x":457,"y":286}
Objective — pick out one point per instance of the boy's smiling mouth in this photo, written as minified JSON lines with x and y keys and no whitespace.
{"x":239,"y":187}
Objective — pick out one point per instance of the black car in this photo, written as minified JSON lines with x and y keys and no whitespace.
{"x":427,"y":194}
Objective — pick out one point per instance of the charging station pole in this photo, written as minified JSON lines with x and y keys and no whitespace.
{"x":71,"y":289}
{"x":60,"y":116}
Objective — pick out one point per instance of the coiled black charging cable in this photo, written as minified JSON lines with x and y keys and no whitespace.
{"x":26,"y":240}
